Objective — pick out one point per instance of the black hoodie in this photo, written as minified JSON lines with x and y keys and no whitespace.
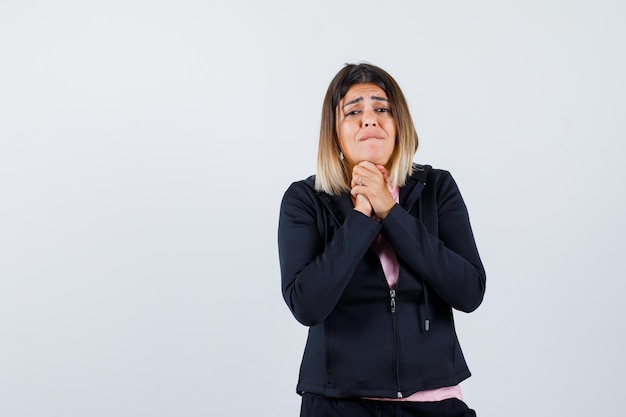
{"x":365,"y":339}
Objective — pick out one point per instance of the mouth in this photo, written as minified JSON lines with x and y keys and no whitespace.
{"x":370,"y":136}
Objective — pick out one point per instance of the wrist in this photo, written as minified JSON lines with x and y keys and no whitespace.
{"x":383,"y":213}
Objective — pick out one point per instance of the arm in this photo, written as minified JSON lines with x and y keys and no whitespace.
{"x":450,"y":264}
{"x":315,"y":274}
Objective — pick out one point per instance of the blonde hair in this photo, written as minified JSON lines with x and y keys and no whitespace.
{"x":332,"y":174}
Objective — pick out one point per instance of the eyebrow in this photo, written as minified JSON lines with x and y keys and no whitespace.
{"x":358,"y":99}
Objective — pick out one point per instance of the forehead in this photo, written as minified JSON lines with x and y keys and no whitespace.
{"x":364,"y":91}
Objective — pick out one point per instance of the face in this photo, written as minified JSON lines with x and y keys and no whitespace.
{"x":365,"y":126}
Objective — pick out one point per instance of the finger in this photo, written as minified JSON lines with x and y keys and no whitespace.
{"x":365,"y":167}
{"x":357,"y":181}
{"x":367,"y":177}
{"x":384,"y":171}
{"x":357,"y":193}
{"x":362,"y":204}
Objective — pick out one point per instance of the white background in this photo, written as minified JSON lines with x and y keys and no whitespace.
{"x":145,"y":147}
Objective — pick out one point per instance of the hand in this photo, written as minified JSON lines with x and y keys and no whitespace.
{"x":362,"y":204}
{"x":370,"y":181}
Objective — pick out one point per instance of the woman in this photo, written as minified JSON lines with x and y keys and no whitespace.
{"x":375,"y":252}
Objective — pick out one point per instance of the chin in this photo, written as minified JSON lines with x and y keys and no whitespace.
{"x":379,"y":160}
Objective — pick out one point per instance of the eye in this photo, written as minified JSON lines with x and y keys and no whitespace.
{"x":382,"y":110}
{"x":352,"y":113}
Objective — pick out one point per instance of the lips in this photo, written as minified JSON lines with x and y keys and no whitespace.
{"x":370,"y":136}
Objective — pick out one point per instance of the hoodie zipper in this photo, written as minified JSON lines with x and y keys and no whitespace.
{"x":394,"y":328}
{"x":392,"y":309}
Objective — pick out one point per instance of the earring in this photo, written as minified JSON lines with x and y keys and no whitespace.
{"x":341,"y":155}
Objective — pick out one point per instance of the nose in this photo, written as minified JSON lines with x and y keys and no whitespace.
{"x":369,"y":119}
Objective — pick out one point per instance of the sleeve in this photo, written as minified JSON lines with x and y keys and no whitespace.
{"x":314,"y":274}
{"x":449,"y":263}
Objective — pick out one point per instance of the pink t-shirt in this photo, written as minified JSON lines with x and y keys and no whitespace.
{"x":390,"y":266}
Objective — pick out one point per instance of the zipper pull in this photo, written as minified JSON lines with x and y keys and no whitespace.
{"x":392,"y":293}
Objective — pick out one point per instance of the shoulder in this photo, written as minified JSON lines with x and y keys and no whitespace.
{"x":427,"y":173}
{"x":437,"y":182}
{"x":306,"y":185}
{"x":301,"y":191}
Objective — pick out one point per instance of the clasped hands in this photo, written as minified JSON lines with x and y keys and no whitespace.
{"x":370,"y":190}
